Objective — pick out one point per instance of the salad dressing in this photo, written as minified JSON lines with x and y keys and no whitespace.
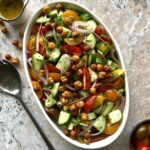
{"x":10,"y":9}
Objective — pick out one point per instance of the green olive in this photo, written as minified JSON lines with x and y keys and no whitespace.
{"x":141,"y":132}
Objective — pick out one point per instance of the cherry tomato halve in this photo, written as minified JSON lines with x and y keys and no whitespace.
{"x":86,"y":79}
{"x":71,"y":49}
{"x":89,"y":103}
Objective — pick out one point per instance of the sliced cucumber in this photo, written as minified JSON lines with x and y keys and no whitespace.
{"x":54,"y":90}
{"x":115,"y":116}
{"x":93,"y":52}
{"x":83,"y":124}
{"x":64,"y":63}
{"x":63,"y":117}
{"x":53,"y":13}
{"x":55,"y":54}
{"x":93,"y":75}
{"x":71,"y":126}
{"x":100,"y":61}
{"x":50,"y":101}
{"x":74,"y":41}
{"x":91,"y":59}
{"x":42,"y":19}
{"x":91,"y":116}
{"x":65,"y":108}
{"x":68,"y":31}
{"x":113,"y":66}
{"x":107,"y":107}
{"x":100,"y":124}
{"x":37,"y":61}
{"x":91,"y":40}
{"x":91,"y":25}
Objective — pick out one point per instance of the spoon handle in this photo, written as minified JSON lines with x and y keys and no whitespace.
{"x":48,"y":143}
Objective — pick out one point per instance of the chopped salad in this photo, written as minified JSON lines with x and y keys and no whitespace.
{"x":76,"y":73}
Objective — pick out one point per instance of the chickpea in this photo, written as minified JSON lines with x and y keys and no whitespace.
{"x":72,"y":107}
{"x":36,"y":88}
{"x":76,"y":58}
{"x":46,"y":9}
{"x":106,"y":68}
{"x":80,"y":64}
{"x":15,"y":61}
{"x":15,"y":43}
{"x":20,"y":45}
{"x":21,"y":33}
{"x":68,"y":20}
{"x":51,"y":45}
{"x":84,"y":117}
{"x":79,"y":72}
{"x":66,"y":94}
{"x":58,"y":6}
{"x":8,"y":56}
{"x":4,"y":30}
{"x":109,"y":75}
{"x":78,"y":85}
{"x":64,"y":79}
{"x":80,"y":104}
{"x":42,"y":73}
{"x":59,"y":29}
{"x":86,"y":135}
{"x":50,"y":80}
{"x":99,"y":67}
{"x":73,"y":134}
{"x":102,"y":75}
{"x":64,"y":34}
{"x":93,"y":66}
{"x":62,"y":88}
{"x":75,"y":34}
{"x":86,"y":47}
{"x":87,"y":141}
{"x":66,"y":132}
{"x":64,"y":101}
{"x":92,"y":90}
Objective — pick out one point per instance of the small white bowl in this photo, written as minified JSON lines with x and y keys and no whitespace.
{"x":98,"y":144}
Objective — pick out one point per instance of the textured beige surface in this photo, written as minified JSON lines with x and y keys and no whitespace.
{"x":129,"y":22}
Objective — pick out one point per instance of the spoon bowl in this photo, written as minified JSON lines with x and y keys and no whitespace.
{"x":10,"y":83}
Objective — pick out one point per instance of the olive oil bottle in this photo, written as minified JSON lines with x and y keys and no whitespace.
{"x":10,"y":9}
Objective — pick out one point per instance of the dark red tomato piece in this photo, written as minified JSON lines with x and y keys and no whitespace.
{"x":100,"y":30}
{"x":106,"y":39}
{"x":143,"y":147}
{"x":105,"y":87}
{"x":43,"y":29}
{"x":52,"y":68}
{"x":71,"y":49}
{"x":89,"y":103}
{"x":86,"y":79}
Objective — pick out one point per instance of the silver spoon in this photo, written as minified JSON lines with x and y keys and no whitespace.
{"x":10,"y":83}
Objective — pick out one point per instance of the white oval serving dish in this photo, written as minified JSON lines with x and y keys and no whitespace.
{"x":98,"y":144}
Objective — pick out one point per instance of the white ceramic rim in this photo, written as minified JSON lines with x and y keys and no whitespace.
{"x":98,"y":144}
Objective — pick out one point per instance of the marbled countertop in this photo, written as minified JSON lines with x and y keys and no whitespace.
{"x":129,"y":22}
